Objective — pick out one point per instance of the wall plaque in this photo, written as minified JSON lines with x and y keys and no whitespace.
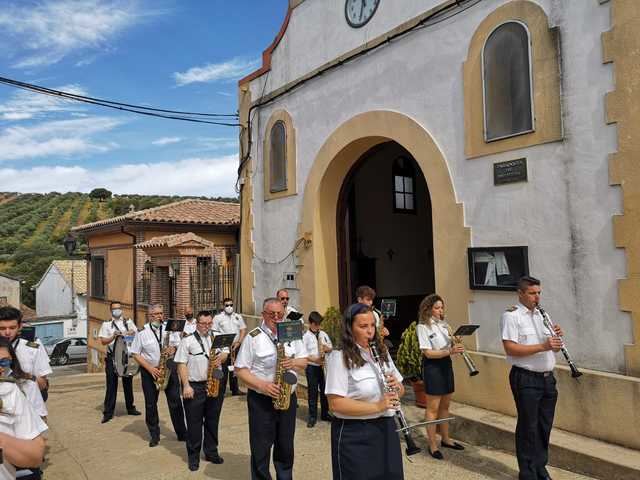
{"x":509,"y":172}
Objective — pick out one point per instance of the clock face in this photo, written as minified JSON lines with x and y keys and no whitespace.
{"x":359,"y":12}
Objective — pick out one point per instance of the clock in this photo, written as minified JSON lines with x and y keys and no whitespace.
{"x":359,"y":12}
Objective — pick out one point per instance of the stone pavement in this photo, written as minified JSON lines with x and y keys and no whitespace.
{"x":81,"y":448}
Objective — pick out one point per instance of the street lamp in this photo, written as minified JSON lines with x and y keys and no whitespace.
{"x":70,"y":243}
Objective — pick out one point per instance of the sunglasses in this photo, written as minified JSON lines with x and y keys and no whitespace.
{"x":284,"y":298}
{"x":274,"y":314}
{"x":228,"y":304}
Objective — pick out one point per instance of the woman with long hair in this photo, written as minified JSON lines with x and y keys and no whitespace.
{"x":434,"y":336}
{"x":364,"y":441}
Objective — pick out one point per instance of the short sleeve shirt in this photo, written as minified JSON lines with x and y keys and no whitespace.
{"x":311,"y":343}
{"x":435,"y":336}
{"x":521,"y":325}
{"x":108,"y":329}
{"x":34,"y":395}
{"x":18,"y":419}
{"x":224,"y":323}
{"x":149,"y":340}
{"x":33,"y":358}
{"x":361,"y":383}
{"x":189,"y":327}
{"x":192,"y":353}
{"x":258,"y":353}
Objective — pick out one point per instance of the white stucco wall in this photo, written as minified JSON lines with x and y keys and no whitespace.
{"x":10,"y":289}
{"x":563,"y":213}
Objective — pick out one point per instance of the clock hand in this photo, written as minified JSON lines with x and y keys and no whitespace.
{"x":362,"y":2}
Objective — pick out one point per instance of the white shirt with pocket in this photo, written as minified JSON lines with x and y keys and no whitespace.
{"x":521,"y":325}
{"x":192,"y":353}
{"x":361,"y":383}
{"x":435,"y":336}
{"x":312,"y":344}
{"x":148,"y":340}
{"x":108,"y":329}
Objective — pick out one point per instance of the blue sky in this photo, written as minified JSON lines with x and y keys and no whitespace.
{"x":173,"y":54}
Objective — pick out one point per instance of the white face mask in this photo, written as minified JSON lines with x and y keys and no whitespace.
{"x":228,"y":310}
{"x":116,"y":312}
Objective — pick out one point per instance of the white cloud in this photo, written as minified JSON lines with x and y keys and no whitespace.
{"x":25,"y":104}
{"x":215,"y":176}
{"x":49,"y":30}
{"x":230,"y":70}
{"x":166,"y":141}
{"x":216,"y":143}
{"x":62,"y":138}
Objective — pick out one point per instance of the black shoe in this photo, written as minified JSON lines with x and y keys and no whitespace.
{"x":182,"y":438}
{"x":453,"y":446}
{"x":154,"y":442}
{"x":217,"y":459}
{"x":239,"y":393}
{"x":133,"y":411}
{"x":311,"y":423}
{"x":437,"y":454}
{"x":194,"y":467}
{"x":106,"y":418}
{"x":326,"y":418}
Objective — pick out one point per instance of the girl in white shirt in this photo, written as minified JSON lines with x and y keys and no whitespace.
{"x":437,"y":347}
{"x":364,"y":441}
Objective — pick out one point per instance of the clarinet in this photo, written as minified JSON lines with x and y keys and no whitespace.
{"x":412,"y":448}
{"x":575,"y":373}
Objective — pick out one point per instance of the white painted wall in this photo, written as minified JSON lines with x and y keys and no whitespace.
{"x":563,"y":213}
{"x":54,"y":297}
{"x":10,"y":289}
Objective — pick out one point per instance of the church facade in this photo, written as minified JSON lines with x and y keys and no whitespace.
{"x":450,"y":147}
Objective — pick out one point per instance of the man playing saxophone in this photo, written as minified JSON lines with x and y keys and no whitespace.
{"x":146,"y":349}
{"x":256,"y":365}
{"x":197,"y":364}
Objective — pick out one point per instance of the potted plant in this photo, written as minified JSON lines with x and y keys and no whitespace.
{"x":332,"y":325}
{"x":409,"y":362}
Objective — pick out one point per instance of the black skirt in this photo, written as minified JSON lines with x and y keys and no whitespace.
{"x":437,"y":374}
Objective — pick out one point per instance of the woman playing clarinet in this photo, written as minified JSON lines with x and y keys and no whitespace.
{"x":364,"y":441}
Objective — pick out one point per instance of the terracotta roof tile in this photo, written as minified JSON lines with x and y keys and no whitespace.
{"x":190,"y":211}
{"x":79,"y":273}
{"x":173,"y":240}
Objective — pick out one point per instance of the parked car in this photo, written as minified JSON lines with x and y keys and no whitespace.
{"x":63,"y":350}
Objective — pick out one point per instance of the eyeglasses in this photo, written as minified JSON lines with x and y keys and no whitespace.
{"x":274,"y":314}
{"x":228,"y":304}
{"x":284,"y":298}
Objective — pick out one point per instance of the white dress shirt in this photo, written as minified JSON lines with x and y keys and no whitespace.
{"x":225,"y":323}
{"x":33,"y":357}
{"x":312,"y":344}
{"x":361,"y":383}
{"x":34,"y":395}
{"x":192,"y":353}
{"x":148,"y":342}
{"x":111,"y":327}
{"x":18,"y":419}
{"x":258,"y":353}
{"x":521,"y":325}
{"x":189,"y":327}
{"x":435,"y":336}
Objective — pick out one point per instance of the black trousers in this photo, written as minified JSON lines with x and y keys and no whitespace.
{"x":366,"y":449}
{"x":270,"y":427}
{"x":174,"y":402}
{"x":233,"y":380}
{"x":111,"y":381}
{"x":535,"y":396}
{"x":202,"y":411}
{"x":315,"y":384}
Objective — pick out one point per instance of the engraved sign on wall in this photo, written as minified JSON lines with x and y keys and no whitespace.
{"x":510,"y":171}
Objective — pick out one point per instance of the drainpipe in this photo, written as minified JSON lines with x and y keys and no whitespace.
{"x":134,"y":272}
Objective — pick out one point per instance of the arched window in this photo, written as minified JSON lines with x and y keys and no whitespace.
{"x":507,"y":82}
{"x":278,"y":157}
{"x":404,"y":194}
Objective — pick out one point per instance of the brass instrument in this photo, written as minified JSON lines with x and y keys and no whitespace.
{"x":163,"y":375}
{"x":284,"y":379}
{"x":214,"y":375}
{"x":473,"y":371}
{"x":575,"y":373}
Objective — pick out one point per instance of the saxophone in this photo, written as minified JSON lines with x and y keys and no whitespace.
{"x":214,"y":375}
{"x":281,"y":379}
{"x":163,"y":376}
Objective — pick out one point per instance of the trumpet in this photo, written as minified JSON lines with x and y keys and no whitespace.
{"x":575,"y":373}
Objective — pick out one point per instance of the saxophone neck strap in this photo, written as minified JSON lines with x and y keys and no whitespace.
{"x":199,"y":339}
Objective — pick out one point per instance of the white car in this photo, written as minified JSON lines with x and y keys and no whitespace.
{"x":63,"y":350}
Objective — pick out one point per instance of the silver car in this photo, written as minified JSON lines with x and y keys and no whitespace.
{"x":63,"y":350}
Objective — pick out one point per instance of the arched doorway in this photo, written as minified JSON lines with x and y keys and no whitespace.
{"x":384,"y":228}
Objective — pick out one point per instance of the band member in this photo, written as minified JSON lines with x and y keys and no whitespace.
{"x":21,"y":428}
{"x":364,"y":441}
{"x":32,"y":355}
{"x":437,"y":347}
{"x":191,"y":322}
{"x":230,"y":322}
{"x":366,"y":295}
{"x":530,"y":350}
{"x":109,"y":331}
{"x":192,"y":358}
{"x":256,"y":366}
{"x":283,"y":296}
{"x":317,"y":343}
{"x":146,"y":350}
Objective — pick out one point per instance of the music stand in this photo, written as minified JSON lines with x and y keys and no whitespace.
{"x":222,"y":340}
{"x":289,"y":331}
{"x":174,"y":325}
{"x":28,"y":333}
{"x":294,"y":315}
{"x":465,"y":330}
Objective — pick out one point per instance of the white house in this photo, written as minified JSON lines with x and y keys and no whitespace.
{"x":9,"y":290}
{"x":451,"y":146}
{"x":61,"y":300}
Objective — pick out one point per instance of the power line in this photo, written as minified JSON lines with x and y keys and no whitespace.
{"x":218,"y":118}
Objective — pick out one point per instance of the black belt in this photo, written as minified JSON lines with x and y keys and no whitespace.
{"x":348,"y":421}
{"x":533,"y":374}
{"x":198,"y":383}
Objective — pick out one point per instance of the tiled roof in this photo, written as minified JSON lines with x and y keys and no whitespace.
{"x":190,"y":211}
{"x":173,"y":240}
{"x":79,"y":273}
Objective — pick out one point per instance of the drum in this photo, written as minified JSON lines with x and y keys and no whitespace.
{"x":124,"y":363}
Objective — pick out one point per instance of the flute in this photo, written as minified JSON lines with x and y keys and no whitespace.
{"x":575,"y":373}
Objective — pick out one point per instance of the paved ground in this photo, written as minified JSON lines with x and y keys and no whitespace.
{"x":81,"y":448}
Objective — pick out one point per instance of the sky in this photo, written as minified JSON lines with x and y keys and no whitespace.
{"x":182,"y":55}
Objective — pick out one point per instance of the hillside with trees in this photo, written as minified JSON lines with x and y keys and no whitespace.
{"x":32,"y":227}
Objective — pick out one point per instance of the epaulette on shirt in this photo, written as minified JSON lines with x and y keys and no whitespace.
{"x":255,"y":332}
{"x":33,"y":344}
{"x":512,"y":308}
{"x":7,"y":379}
